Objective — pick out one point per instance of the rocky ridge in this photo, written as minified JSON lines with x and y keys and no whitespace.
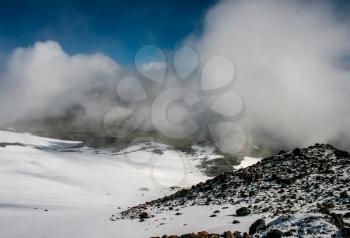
{"x":302,"y":193}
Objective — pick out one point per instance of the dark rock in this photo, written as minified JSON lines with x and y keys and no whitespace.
{"x":296,"y":152}
{"x":246,"y":235}
{"x":256,"y":226}
{"x":237,"y":234}
{"x":243,"y":211}
{"x":190,"y":235}
{"x":4,"y":144}
{"x":344,"y":195}
{"x":266,"y":209}
{"x":275,"y":233}
{"x":330,"y":205}
{"x":324,"y":210}
{"x":143,"y":215}
{"x":337,"y":220}
{"x":345,"y":232}
{"x":203,"y":234}
{"x":157,"y":151}
{"x":228,"y":234}
{"x":288,"y":233}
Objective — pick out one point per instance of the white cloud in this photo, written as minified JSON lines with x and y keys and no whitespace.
{"x":285,"y":54}
{"x":43,"y":81}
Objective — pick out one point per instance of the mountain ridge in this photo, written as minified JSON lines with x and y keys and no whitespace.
{"x":304,"y":192}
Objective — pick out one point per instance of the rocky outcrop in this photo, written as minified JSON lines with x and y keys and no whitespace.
{"x":301,"y":192}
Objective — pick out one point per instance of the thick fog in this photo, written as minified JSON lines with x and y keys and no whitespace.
{"x":289,"y":65}
{"x":290,"y":59}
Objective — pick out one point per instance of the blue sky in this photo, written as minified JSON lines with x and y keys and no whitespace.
{"x":116,"y":28}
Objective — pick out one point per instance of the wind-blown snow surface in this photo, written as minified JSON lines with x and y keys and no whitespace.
{"x":246,"y":162}
{"x":53,"y":188}
{"x":50,"y":191}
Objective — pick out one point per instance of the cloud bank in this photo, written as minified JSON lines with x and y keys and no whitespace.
{"x":289,"y":57}
{"x":290,"y":71}
{"x":43,"y":81}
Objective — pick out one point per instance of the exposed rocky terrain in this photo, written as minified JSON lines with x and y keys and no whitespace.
{"x":301,"y":193}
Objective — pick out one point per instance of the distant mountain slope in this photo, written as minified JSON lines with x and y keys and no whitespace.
{"x":9,"y":137}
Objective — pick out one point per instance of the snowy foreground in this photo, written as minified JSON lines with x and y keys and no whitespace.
{"x":52,"y":188}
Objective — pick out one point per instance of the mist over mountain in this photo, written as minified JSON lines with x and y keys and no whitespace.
{"x":290,"y":71}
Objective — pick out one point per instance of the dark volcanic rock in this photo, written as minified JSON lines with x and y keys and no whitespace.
{"x":228,"y":234}
{"x":275,"y":233}
{"x":345,"y":232}
{"x":243,"y":211}
{"x":256,"y":226}
{"x":143,"y":215}
{"x":344,"y":194}
{"x":337,"y":220}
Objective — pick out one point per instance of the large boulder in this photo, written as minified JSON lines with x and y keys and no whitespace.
{"x":256,"y":226}
{"x":243,"y":211}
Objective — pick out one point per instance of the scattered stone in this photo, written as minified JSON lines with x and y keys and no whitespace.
{"x":228,"y":234}
{"x":189,"y":235}
{"x":203,"y":234}
{"x":344,"y":195}
{"x":143,"y":215}
{"x":157,"y":152}
{"x":337,"y":220}
{"x":243,"y":211}
{"x":266,"y":209}
{"x":237,"y":234}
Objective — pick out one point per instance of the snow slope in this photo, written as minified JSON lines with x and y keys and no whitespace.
{"x":49,"y":191}
{"x":35,"y":141}
{"x":80,"y":189}
{"x":246,"y":162}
